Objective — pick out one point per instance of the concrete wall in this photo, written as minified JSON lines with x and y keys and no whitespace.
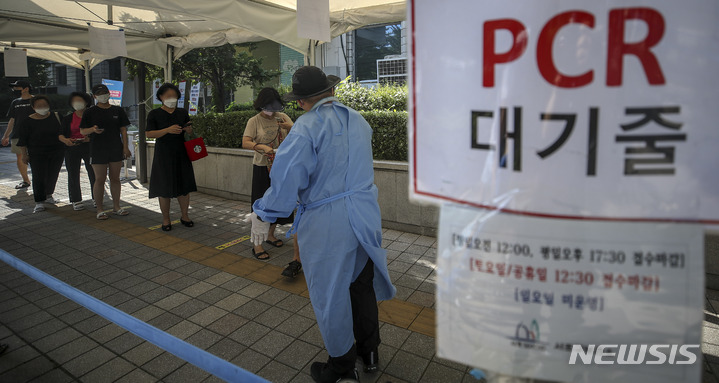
{"x":227,"y":173}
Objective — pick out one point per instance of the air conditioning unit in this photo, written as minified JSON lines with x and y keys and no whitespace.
{"x":332,"y":70}
{"x":392,"y":70}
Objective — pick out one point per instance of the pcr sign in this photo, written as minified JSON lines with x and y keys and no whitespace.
{"x":567,"y":109}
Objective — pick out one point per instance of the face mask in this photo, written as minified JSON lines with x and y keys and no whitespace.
{"x":80,"y":105}
{"x":42,"y":111}
{"x":103,"y":98}
{"x":170,"y":102}
{"x":268,"y":113}
{"x":17,"y":92}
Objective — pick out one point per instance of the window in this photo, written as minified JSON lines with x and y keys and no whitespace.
{"x":115,"y":68}
{"x":374,"y":44}
{"x":60,"y":75}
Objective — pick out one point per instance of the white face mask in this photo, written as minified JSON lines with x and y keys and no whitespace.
{"x":80,"y":105}
{"x":103,"y":98}
{"x":42,"y":111}
{"x":269,"y":114}
{"x":170,"y":102}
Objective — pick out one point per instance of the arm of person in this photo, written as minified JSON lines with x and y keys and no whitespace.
{"x":85,"y":128}
{"x":8,"y":132}
{"x":295,"y":161}
{"x":248,"y":140}
{"x":125,"y":144}
{"x":64,"y":132}
{"x":22,"y":143}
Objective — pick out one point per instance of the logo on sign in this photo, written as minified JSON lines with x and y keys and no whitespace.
{"x":527,"y":336}
{"x":634,"y":354}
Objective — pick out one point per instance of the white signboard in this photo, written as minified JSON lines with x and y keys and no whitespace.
{"x":181,"y":100}
{"x":108,"y":42}
{"x":568,"y":109}
{"x":155,"y":87}
{"x":194,"y":98}
{"x":516,"y":294}
{"x":15,"y":61}
{"x":313,"y":19}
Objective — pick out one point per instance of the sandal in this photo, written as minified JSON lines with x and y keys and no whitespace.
{"x":22,"y":185}
{"x":121,"y":212}
{"x":258,"y":255}
{"x":187,"y":223}
{"x":274,"y":243}
{"x":102,"y":216}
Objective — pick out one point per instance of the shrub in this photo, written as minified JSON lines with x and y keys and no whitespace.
{"x":382,"y":97}
{"x":389,"y":141}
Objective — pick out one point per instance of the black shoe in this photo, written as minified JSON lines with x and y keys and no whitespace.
{"x":371,"y":361}
{"x":292,"y":269}
{"x":3,"y":347}
{"x":187,"y":223}
{"x":167,"y":227}
{"x":321,"y":373}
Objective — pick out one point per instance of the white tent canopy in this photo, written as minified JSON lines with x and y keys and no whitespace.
{"x":151,"y":25}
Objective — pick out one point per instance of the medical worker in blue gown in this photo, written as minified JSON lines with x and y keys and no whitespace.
{"x":325,"y":164}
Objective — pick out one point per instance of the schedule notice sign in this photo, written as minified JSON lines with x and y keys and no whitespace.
{"x":568,"y":109}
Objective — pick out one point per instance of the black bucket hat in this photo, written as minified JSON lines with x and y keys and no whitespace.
{"x":310,"y":81}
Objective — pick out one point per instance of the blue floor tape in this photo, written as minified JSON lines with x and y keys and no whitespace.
{"x":198,"y":357}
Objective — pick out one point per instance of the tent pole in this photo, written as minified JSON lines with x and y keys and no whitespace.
{"x":311,"y":53}
{"x":141,"y":154}
{"x":168,"y":68}
{"x":88,"y":86}
{"x":109,"y":14}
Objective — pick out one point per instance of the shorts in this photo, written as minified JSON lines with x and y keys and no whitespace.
{"x":104,"y":157}
{"x":13,"y":146}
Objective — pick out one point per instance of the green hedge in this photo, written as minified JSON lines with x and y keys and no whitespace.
{"x":225,"y":130}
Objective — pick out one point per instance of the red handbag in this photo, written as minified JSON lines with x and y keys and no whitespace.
{"x":196,"y":149}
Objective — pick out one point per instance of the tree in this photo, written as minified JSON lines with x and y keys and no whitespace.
{"x":225,"y":67}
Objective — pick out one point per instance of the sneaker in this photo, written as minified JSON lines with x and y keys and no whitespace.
{"x":22,"y":185}
{"x":292,"y":269}
{"x":50,"y":200}
{"x":39,"y":207}
{"x":78,"y":206}
{"x":322,"y":374}
{"x":371,"y":361}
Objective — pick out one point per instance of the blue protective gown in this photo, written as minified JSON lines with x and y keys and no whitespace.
{"x":329,"y":152}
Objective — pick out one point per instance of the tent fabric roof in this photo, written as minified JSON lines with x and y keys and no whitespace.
{"x":151,"y":25}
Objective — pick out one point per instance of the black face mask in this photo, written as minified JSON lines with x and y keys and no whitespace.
{"x":17,"y":92}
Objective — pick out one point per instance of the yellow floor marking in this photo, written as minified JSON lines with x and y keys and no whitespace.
{"x":233,"y":242}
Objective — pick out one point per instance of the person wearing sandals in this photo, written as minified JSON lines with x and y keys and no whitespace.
{"x":263,"y":134}
{"x":107,"y":127}
{"x":19,"y":110}
{"x":325,"y":163}
{"x":37,"y":140}
{"x":172,"y":175}
{"x":77,"y":148}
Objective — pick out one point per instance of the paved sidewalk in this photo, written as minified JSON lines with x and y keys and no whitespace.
{"x":223,"y":301}
{"x":202,"y":285}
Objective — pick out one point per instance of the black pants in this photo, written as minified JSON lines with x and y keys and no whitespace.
{"x":73,"y":156}
{"x":45,"y":167}
{"x":365,"y":319}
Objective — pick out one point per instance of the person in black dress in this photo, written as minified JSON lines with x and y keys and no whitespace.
{"x":77,"y":148}
{"x":107,"y":127}
{"x":40,"y":147}
{"x":172,"y":175}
